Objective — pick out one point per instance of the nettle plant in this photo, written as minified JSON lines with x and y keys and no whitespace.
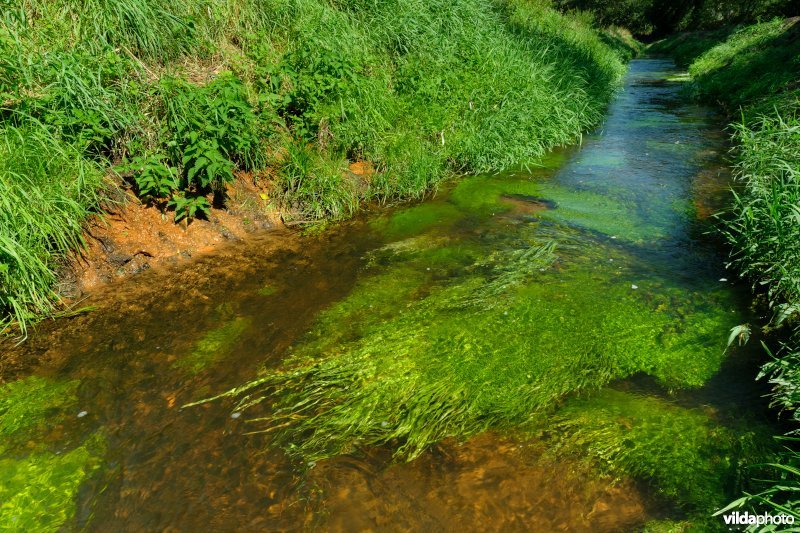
{"x":210,"y":132}
{"x":299,"y":85}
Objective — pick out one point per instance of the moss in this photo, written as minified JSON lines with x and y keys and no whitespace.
{"x":214,"y":345}
{"x":687,"y":456}
{"x":37,"y":493}
{"x":28,"y":404}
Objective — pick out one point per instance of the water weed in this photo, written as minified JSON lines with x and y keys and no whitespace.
{"x":38,"y":492}
{"x":685,"y":453}
{"x":454,"y":361}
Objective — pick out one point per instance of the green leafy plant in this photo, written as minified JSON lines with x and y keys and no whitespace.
{"x":204,"y":163}
{"x":154,"y":178}
{"x":304,"y":80}
{"x":189,"y":207}
{"x":214,"y":130}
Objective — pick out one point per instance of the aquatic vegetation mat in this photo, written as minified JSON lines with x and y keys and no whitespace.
{"x":37,"y":493}
{"x":494,"y":347}
{"x":28,"y":404}
{"x":686,"y":454}
{"x":214,"y":345}
{"x":38,"y":479}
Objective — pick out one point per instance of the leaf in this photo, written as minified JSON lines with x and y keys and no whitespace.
{"x":740,"y":332}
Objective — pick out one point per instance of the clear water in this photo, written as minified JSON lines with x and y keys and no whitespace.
{"x":103,"y":444}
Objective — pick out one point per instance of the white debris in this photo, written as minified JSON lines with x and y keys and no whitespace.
{"x":236,"y":415}
{"x":634,"y":287}
{"x":723,"y":279}
{"x":82,"y":414}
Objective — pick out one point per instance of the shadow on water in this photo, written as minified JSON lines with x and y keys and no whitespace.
{"x":628,"y":209}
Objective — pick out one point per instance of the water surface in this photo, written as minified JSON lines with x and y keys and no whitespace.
{"x":605,"y":390}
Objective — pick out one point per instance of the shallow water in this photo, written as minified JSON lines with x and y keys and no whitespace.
{"x":632,"y":304}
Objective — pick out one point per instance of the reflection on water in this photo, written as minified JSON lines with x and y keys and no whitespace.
{"x":626,"y":210}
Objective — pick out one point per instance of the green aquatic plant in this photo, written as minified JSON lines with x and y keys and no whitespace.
{"x":27,"y":405}
{"x":484,"y":350}
{"x":614,"y":212}
{"x":417,"y":219}
{"x":267,"y":290}
{"x":38,"y":488}
{"x":668,"y":526}
{"x":685,"y":454}
{"x":37,"y":492}
{"x":599,"y":212}
{"x":214,"y":344}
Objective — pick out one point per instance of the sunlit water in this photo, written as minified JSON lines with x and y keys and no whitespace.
{"x":628,"y":213}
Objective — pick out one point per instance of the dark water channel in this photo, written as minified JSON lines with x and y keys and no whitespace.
{"x":641,"y":416}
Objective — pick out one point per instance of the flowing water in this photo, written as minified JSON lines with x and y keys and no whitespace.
{"x":565,"y":324}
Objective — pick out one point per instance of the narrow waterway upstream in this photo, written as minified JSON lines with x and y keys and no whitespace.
{"x":566,"y":324}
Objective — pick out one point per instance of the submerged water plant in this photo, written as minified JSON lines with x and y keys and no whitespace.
{"x":481,"y":350}
{"x":686,"y":454}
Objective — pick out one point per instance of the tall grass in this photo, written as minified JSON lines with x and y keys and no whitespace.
{"x":47,"y":189}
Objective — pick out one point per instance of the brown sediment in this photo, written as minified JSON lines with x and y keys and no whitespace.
{"x":525,"y":205}
{"x":131,"y":237}
{"x":489,"y":483}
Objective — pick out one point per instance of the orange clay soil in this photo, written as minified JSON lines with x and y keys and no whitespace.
{"x":132,"y":237}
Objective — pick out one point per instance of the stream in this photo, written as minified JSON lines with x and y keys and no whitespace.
{"x":576,"y":314}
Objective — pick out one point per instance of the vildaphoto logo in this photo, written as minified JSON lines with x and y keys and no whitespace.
{"x":748,"y":519}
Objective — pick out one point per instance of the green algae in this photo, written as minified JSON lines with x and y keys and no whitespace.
{"x":214,"y":345}
{"x":482,"y":195}
{"x":37,"y":492}
{"x":27,"y":405}
{"x":686,"y":454}
{"x":267,"y":290}
{"x":418,"y":219}
{"x":484,"y":350}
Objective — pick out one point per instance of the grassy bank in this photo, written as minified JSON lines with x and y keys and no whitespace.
{"x":752,"y":72}
{"x":174,"y":99}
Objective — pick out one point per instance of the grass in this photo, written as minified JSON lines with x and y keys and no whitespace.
{"x":752,"y":71}
{"x":187,"y":93}
{"x":47,"y":189}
